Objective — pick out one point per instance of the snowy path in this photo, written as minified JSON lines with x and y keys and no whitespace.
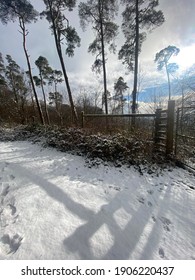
{"x":52,"y":206}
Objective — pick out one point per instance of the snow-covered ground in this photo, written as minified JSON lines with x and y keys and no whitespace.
{"x":54,"y":206}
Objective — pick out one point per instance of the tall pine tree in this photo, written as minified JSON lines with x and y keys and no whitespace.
{"x":139,"y":17}
{"x":24,"y":12}
{"x":63,"y":31}
{"x":44,"y":72}
{"x":101,"y":15}
{"x":162,"y":59}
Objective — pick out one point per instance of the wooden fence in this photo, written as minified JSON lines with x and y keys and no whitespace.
{"x":164,"y":128}
{"x":141,"y":125}
{"x":163,"y":125}
{"x":185,"y":136}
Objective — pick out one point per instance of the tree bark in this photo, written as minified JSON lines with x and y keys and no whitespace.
{"x":134,"y":93}
{"x":59,"y":51}
{"x":103,"y":57}
{"x":168,"y":77}
{"x":24,"y":34}
{"x":73,"y":109}
{"x":44,"y":98}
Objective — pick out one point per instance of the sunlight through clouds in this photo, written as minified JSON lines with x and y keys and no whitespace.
{"x":186,"y":57}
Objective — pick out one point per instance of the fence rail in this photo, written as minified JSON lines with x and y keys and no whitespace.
{"x":160,"y":129}
{"x":114,"y":122}
{"x":168,"y":136}
{"x":164,"y":130}
{"x":84,"y":116}
{"x":117,"y":115}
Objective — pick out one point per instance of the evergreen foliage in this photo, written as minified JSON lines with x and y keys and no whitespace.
{"x":162,"y":59}
{"x":139,"y":17}
{"x":100,"y":14}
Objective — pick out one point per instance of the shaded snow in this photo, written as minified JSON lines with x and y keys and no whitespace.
{"x":53,"y":206}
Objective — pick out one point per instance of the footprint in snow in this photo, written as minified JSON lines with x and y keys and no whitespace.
{"x":161,"y":253}
{"x":5,"y":190}
{"x":8,"y":215}
{"x":150,"y":192}
{"x":12,"y":208}
{"x":141,"y":200}
{"x":115,"y":188}
{"x":10,"y":244}
{"x":12,"y":177}
{"x":166,"y":223}
{"x":6,"y":164}
{"x":149,"y":204}
{"x":189,"y":190}
{"x":154,"y":218}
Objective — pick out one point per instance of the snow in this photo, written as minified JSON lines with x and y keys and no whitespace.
{"x":53,"y":205}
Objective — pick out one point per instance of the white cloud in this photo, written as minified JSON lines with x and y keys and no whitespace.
{"x":177,"y":30}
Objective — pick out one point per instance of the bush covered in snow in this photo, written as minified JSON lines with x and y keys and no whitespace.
{"x":118,"y":149}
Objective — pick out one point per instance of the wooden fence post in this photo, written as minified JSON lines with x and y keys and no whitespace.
{"x":82,"y":119}
{"x":176,"y":129}
{"x":157,"y":123}
{"x":170,"y":127}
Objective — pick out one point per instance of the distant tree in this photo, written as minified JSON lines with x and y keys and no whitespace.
{"x":44,"y":73}
{"x":120,"y":87}
{"x":100,"y":14}
{"x":5,"y":94}
{"x":139,"y":17}
{"x":55,"y":78}
{"x":55,"y":96}
{"x":2,"y":71}
{"x":162,"y":59}
{"x":24,"y":12}
{"x":12,"y":73}
{"x":62,"y":30}
{"x":187,"y":78}
{"x":56,"y":99}
{"x":16,"y":83}
{"x":8,"y":110}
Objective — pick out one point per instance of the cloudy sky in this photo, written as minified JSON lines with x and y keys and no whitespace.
{"x":178,"y":30}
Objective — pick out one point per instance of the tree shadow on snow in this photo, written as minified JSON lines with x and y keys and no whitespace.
{"x":124,"y":240}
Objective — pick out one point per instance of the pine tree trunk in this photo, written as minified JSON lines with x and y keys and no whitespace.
{"x":103,"y":57}
{"x":59,"y":51}
{"x":44,"y":98}
{"x":24,"y":34}
{"x":168,"y":77}
{"x":73,"y":109}
{"x":134,"y":94}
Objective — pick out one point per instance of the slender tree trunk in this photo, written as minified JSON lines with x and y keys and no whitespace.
{"x":24,"y":34}
{"x":168,"y":77}
{"x":23,"y":111}
{"x":59,"y":51}
{"x":134,"y":94}
{"x":32,"y":98}
{"x":44,"y":98}
{"x":182,"y":109}
{"x":73,"y":109}
{"x":14,"y":88}
{"x":103,"y":56}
